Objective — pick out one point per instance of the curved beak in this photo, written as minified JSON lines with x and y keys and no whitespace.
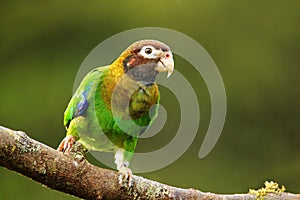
{"x":166,"y":63}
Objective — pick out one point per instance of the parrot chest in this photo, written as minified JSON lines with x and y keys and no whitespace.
{"x":121,"y":111}
{"x":128,"y":99}
{"x":141,"y":101}
{"x":122,"y":108}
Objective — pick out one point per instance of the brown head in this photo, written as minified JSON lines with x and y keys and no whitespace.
{"x":144,"y":59}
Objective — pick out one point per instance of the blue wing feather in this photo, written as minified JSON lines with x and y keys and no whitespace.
{"x":82,"y":105}
{"x":80,"y":100}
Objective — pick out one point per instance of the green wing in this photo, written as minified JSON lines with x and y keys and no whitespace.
{"x":83,"y":96}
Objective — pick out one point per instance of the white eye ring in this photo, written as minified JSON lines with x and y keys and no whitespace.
{"x":148,"y":52}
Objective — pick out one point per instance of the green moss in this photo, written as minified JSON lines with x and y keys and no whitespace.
{"x":270,"y":187}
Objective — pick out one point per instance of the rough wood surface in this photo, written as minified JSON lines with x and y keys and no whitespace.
{"x":72,"y":174}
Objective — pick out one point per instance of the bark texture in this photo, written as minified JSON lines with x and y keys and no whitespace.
{"x":73,"y":174}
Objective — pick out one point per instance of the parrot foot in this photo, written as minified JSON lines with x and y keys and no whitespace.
{"x":66,"y":144}
{"x":125,"y":177}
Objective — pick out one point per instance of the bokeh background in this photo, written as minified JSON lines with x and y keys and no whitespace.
{"x":255,"y":44}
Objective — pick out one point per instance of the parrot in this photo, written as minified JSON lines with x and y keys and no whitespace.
{"x":113,"y":104}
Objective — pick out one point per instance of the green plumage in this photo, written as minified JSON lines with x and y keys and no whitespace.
{"x":110,"y":108}
{"x":96,"y":127}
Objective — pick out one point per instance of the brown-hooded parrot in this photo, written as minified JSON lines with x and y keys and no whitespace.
{"x":110,"y":108}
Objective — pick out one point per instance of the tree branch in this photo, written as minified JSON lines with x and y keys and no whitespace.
{"x":74,"y":175}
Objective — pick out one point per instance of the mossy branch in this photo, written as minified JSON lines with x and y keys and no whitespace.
{"x":75,"y":175}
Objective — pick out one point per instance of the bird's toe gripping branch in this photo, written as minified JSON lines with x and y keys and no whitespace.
{"x":66,"y":144}
{"x":125,"y":177}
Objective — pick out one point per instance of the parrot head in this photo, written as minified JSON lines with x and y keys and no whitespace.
{"x":144,"y":59}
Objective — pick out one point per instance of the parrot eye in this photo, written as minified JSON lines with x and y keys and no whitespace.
{"x":148,"y":51}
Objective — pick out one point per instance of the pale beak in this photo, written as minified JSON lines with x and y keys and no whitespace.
{"x":166,"y":64}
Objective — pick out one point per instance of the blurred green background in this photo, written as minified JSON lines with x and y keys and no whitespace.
{"x":255,"y":44}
